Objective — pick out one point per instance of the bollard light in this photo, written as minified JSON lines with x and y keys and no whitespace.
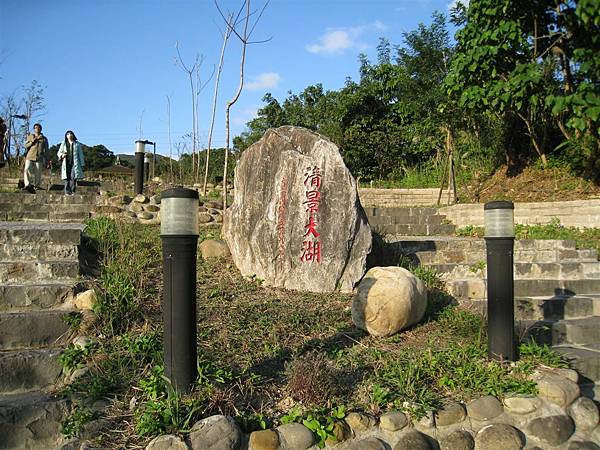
{"x":139,"y":166}
{"x":179,"y":235}
{"x":499,"y":242}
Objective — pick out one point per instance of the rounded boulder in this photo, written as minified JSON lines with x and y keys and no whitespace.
{"x":388,"y":299}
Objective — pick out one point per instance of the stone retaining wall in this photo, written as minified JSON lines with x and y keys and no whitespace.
{"x":576,"y":213}
{"x":402,"y":197}
{"x":558,"y":417}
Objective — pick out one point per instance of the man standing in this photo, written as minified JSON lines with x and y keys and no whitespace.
{"x":37,"y":155}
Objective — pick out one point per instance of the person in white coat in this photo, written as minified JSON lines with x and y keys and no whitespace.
{"x":71,"y":155}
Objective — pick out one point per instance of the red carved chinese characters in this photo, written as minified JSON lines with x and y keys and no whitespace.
{"x":311,"y":246}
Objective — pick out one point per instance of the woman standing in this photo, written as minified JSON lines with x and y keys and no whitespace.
{"x":71,"y":155}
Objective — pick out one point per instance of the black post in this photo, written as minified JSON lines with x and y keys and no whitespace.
{"x":139,"y":172}
{"x":499,"y":243}
{"x":179,"y":242}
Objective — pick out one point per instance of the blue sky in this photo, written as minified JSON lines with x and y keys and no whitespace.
{"x":108,"y":65}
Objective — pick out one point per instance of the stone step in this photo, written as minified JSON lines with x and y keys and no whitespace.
{"x":398,"y":212}
{"x":40,"y":234}
{"x":41,"y":270}
{"x":584,"y":359}
{"x":557,"y":307}
{"x":34,"y":296}
{"x":27,"y":252}
{"x":46,"y":208}
{"x":36,"y":216}
{"x":26,"y":371}
{"x":523,"y":256}
{"x":32,"y":421}
{"x":45,"y":198}
{"x":378,"y":221}
{"x":401,"y":229}
{"x":566,"y":271}
{"x":475,"y":288}
{"x":412,"y":244}
{"x":582,"y":331}
{"x":33,"y":329}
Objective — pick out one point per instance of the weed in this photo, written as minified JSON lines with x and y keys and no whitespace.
{"x":470,"y":231}
{"x":75,"y":422}
{"x":536,"y":354}
{"x":73,"y":320}
{"x":480,"y":265}
{"x":73,"y":357}
{"x":250,"y":422}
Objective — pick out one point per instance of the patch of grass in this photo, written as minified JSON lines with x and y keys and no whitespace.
{"x":584,"y":237}
{"x":76,"y":421}
{"x":267,"y":356}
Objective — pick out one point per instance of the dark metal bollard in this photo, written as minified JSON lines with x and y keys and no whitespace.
{"x":139,"y":166}
{"x":499,"y":242}
{"x":179,"y":234}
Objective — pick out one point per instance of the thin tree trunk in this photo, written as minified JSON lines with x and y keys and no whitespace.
{"x":534,"y":142}
{"x":233,"y":100}
{"x":226,"y":36}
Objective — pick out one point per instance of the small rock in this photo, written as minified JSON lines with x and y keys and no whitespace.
{"x":204,"y":217}
{"x":155,"y":199}
{"x":412,"y":440}
{"x":552,"y":430}
{"x":214,"y":212}
{"x":367,"y":444}
{"x":167,"y":442}
{"x":120,"y":200}
{"x":136,"y":208}
{"x":213,"y":248}
{"x":498,"y":436}
{"x":219,"y":218}
{"x":556,"y":389}
{"x":145,"y":215}
{"x":100,"y":405}
{"x":458,"y":440}
{"x":393,"y":421}
{"x":584,"y":413}
{"x":582,"y":445}
{"x":452,"y":412}
{"x":215,"y":204}
{"x":427,"y":421}
{"x":141,"y":198}
{"x":85,"y":300}
{"x":341,"y":431}
{"x":569,"y":374}
{"x":130,"y":214}
{"x":296,"y":436}
{"x":81,"y":342}
{"x":360,"y":422}
{"x":485,"y":408}
{"x":202,"y":209}
{"x":152,"y":208}
{"x":215,"y":433}
{"x":521,"y":405}
{"x":264,"y":440}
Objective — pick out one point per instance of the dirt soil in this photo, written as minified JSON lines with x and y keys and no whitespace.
{"x":530,"y":185}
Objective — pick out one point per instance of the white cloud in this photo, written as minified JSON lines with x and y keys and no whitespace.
{"x":245,"y":115}
{"x":336,"y":41}
{"x":267,"y":80}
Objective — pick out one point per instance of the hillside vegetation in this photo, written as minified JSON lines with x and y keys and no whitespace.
{"x":517,"y":89}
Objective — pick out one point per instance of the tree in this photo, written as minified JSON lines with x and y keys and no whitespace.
{"x":531,"y":63}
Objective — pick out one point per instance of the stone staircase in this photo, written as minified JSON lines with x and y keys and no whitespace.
{"x":39,"y":269}
{"x":557,"y":289}
{"x":411,"y":221}
{"x":46,"y":206}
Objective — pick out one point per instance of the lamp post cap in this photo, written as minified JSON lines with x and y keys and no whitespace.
{"x":499,"y":204}
{"x":179,"y":192}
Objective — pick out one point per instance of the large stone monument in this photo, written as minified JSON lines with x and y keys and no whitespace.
{"x":296,"y":221}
